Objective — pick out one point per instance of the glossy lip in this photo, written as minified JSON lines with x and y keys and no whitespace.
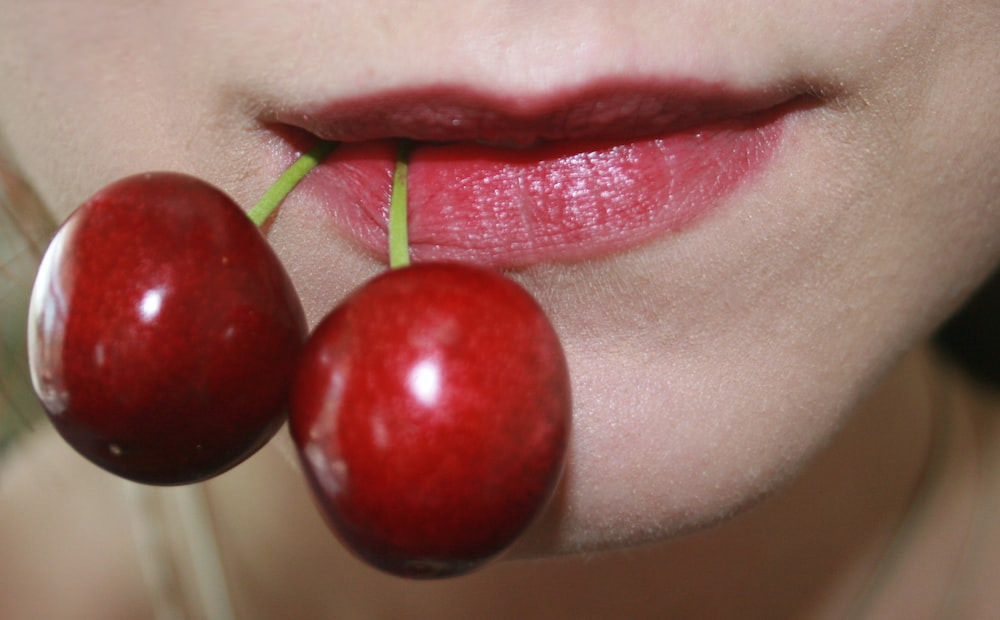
{"x":508,"y":182}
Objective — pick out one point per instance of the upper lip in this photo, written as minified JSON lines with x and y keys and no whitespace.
{"x":601,"y":111}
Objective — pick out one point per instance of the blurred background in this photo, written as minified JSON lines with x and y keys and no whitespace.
{"x":24,"y":232}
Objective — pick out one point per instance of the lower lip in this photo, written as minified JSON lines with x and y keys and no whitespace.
{"x":558,"y":202}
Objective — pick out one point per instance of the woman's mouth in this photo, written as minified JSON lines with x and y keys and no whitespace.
{"x":509,"y":183}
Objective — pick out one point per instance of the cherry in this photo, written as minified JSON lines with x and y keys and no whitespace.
{"x":163,"y":331}
{"x":431,"y":412}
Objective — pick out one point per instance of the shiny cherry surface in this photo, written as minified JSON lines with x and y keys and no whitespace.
{"x":431,"y":413}
{"x":163,"y":331}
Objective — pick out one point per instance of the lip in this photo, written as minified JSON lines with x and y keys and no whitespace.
{"x":507,"y":182}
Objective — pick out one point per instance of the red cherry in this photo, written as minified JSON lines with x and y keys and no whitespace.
{"x":431,"y":412}
{"x":163,"y":331}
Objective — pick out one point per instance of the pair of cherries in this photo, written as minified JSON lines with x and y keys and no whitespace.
{"x":430,"y":408}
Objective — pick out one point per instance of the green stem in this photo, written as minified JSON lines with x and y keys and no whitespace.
{"x":287,"y":181}
{"x":399,"y":242}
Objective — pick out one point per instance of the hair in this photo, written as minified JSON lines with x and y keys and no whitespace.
{"x":971,"y":337}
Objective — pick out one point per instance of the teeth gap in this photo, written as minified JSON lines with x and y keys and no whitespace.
{"x":506,"y":144}
{"x":509,"y":144}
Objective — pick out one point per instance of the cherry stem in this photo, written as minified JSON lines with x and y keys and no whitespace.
{"x":287,"y":181}
{"x":399,"y":242}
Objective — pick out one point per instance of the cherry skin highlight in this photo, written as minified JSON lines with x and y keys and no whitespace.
{"x":431,"y":412}
{"x":163,"y":331}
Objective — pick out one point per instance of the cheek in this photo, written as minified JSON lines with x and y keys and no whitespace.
{"x":96,"y":91}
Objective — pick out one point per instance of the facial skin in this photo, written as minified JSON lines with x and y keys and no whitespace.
{"x":708,"y":365}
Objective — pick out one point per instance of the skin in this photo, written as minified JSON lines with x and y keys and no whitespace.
{"x":878,"y":216}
